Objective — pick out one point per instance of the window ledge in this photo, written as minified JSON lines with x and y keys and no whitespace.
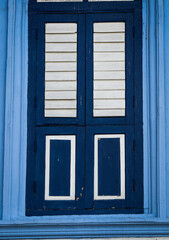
{"x":20,"y":229}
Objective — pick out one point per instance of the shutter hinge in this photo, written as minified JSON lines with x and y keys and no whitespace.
{"x":34,"y":187}
{"x":133,"y":32}
{"x":36,"y":34}
{"x":134,"y":145}
{"x":35,"y":146}
{"x":133,"y":101}
{"x":35,"y":102}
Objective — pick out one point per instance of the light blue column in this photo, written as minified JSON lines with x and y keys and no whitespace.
{"x":160,"y":96}
{"x":149,"y":106}
{"x":3,"y":54}
{"x":166,"y":47}
{"x":15,"y":111}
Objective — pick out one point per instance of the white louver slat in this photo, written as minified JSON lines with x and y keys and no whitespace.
{"x":61,"y":70}
{"x":109,"y":69}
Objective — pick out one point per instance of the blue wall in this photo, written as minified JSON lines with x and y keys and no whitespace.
{"x":14,"y":223}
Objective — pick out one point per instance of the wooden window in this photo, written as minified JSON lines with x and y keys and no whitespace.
{"x":84,"y":130}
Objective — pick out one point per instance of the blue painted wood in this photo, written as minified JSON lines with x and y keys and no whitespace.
{"x":138,"y":118}
{"x":3,"y":54}
{"x":31,"y":142}
{"x":130,"y":203}
{"x":109,"y":167}
{"x":60,"y":160}
{"x":36,"y":203}
{"x":86,"y":7}
{"x":35,"y":200}
{"x":146,"y":115}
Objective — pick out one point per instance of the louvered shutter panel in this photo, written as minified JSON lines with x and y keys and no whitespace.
{"x":61,"y":70}
{"x":109,"y":69}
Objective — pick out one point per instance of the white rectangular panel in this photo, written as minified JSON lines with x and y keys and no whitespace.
{"x":97,"y":137}
{"x":60,"y":70}
{"x":109,"y":69}
{"x":72,"y":139}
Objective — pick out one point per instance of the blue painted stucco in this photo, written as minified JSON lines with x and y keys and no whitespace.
{"x":3,"y":60}
{"x":166,"y":47}
{"x":13,"y":135}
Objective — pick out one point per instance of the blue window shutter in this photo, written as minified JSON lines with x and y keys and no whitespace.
{"x":86,"y":164}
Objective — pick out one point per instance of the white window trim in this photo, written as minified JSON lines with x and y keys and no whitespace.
{"x":72,"y":139}
{"x":121,"y":137}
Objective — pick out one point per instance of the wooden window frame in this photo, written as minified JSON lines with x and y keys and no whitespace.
{"x":134,"y":197}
